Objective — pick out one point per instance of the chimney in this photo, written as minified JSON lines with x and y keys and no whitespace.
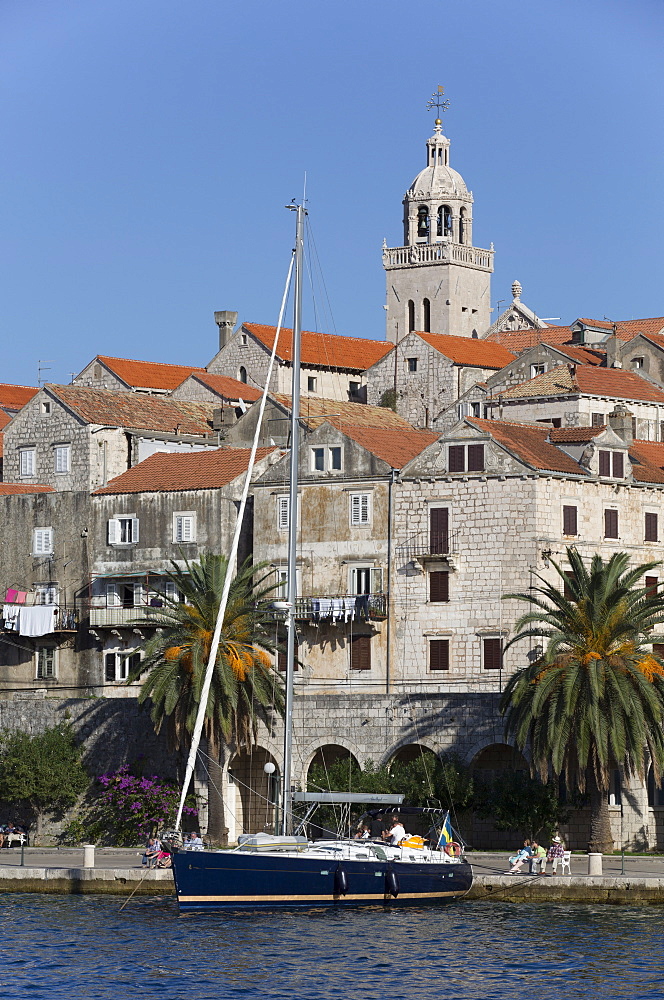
{"x":620,"y":421}
{"x":226,"y":321}
{"x":613,"y":351}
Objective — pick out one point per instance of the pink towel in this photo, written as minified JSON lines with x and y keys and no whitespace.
{"x":21,"y":596}
{"x":11,"y":596}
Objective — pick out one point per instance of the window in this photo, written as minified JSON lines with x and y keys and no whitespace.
{"x":493,"y":654}
{"x":426,"y":315}
{"x":651,"y":531}
{"x":476,"y":409}
{"x":123,"y":530}
{"x":242,"y":374}
{"x":536,"y":370}
{"x":353,"y":388}
{"x":318,"y":459}
{"x":46,"y":406}
{"x":311,"y":383}
{"x":412,"y":364}
{"x":45,"y":662}
{"x":282,"y":656}
{"x":243,"y":340}
{"x":184,"y":527}
{"x":323,"y":459}
{"x":335,"y":458}
{"x":457,"y":458}
{"x":569,"y":521}
{"x":360,"y":508}
{"x":439,"y":586}
{"x":360,"y":652}
{"x":411,"y":315}
{"x":439,"y":654}
{"x":611,"y":464}
{"x":610,"y":523}
{"x":46,"y":593}
{"x":568,"y":593}
{"x":651,"y":586}
{"x":27,"y":461}
{"x":42,"y":541}
{"x":637,"y":362}
{"x":118,"y":664}
{"x":172,"y":592}
{"x":61,"y":455}
{"x":423,"y":221}
{"x":283,"y":513}
{"x":462,"y":458}
{"x":439,"y":531}
{"x":598,"y":419}
{"x":124,"y":595}
{"x":366,"y":579}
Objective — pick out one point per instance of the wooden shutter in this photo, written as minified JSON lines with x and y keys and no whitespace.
{"x":359,"y":508}
{"x":605,"y":463}
{"x":569,"y":520}
{"x":475,"y":458}
{"x":568,"y":593}
{"x":457,"y":458}
{"x":610,"y":523}
{"x":439,"y":654}
{"x":438,"y":530}
{"x":651,"y":527}
{"x":493,"y":654}
{"x":282,"y":658}
{"x":113,"y":531}
{"x":658,"y":649}
{"x":109,"y":667}
{"x":618,"y":465}
{"x":283,"y":508}
{"x":360,"y":652}
{"x":134,"y":529}
{"x":376,"y":579}
{"x":439,"y":586}
{"x":651,"y":586}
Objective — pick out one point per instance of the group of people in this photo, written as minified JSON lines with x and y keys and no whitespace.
{"x":538,"y":856}
{"x":10,"y":834}
{"x":393,"y":834}
{"x":158,"y":854}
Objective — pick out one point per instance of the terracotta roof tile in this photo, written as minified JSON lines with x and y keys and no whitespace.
{"x":656,"y":338}
{"x":394,"y":447}
{"x":9,"y":489}
{"x":647,"y":458}
{"x":314,"y":411}
{"x":13,"y":397}
{"x":178,"y":472}
{"x":323,"y":350}
{"x":574,"y":435}
{"x":529,"y":443}
{"x":135,"y":410}
{"x":589,"y":381}
{"x":521,"y":340}
{"x":582,"y":355}
{"x":148,"y":374}
{"x":230,"y":388}
{"x":628,"y":329}
{"x":468,"y":351}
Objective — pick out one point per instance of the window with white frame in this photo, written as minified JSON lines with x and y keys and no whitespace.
{"x":366,"y":579}
{"x":283,"y":513}
{"x":282,"y":581}
{"x":61,"y":458}
{"x":124,"y":594}
{"x":360,"y":508}
{"x":536,"y":370}
{"x":184,"y":526}
{"x":46,"y":593}
{"x":27,"y":461}
{"x":45,"y":662}
{"x":318,"y":459}
{"x":311,"y":383}
{"x":119,"y":663}
{"x":123,"y":529}
{"x":42,"y":541}
{"x":172,"y":591}
{"x":326,"y":459}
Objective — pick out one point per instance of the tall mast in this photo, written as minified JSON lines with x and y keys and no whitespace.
{"x":293,"y":521}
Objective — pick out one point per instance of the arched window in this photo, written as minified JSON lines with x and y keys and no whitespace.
{"x":411,"y":316}
{"x":423,"y":221}
{"x":242,"y":374}
{"x":447,"y":220}
{"x":462,"y":226}
{"x":426,"y":315}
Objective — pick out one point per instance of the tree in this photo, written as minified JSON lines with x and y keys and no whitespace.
{"x":44,"y":771}
{"x":517,"y":801}
{"x":594,"y":700}
{"x":244,"y":687}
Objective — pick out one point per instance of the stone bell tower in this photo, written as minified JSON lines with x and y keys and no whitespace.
{"x":438,"y":282}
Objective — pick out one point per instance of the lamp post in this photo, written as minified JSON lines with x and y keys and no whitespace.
{"x":269,"y":770}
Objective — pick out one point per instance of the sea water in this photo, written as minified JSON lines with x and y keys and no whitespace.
{"x":87,"y":947}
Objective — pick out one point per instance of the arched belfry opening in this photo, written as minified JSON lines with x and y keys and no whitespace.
{"x":423,"y":222}
{"x":462,"y":225}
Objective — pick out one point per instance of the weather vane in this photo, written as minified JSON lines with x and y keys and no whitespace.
{"x":436,"y":101}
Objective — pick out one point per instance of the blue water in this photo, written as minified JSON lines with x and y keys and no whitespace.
{"x":85,"y":947}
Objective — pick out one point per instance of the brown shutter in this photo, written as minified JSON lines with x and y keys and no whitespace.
{"x":493,"y":654}
{"x":618,"y":465}
{"x":439,"y":586}
{"x":605,"y":463}
{"x":569,"y":520}
{"x":438,"y":530}
{"x":610,"y":523}
{"x":568,"y":593}
{"x":282,"y":659}
{"x":651,"y":586}
{"x":360,"y":652}
{"x":651,"y":527}
{"x":439,"y":654}
{"x":457,"y":458}
{"x":475,"y":458}
{"x":658,"y":649}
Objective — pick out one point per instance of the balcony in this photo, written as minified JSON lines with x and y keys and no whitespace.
{"x":65,"y":619}
{"x":111,"y":617}
{"x":343,"y":609}
{"x":430,"y":546}
{"x":421,"y":254}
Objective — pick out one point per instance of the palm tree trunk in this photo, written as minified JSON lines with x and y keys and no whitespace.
{"x":217,"y":830}
{"x":601,"y":838}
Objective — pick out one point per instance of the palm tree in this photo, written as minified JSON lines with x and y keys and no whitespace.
{"x":244,"y":687}
{"x":594,"y":700}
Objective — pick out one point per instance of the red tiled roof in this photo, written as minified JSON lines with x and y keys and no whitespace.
{"x":468,"y":351}
{"x":655,"y":338}
{"x":9,"y":489}
{"x":529,"y":443}
{"x":177,"y":472}
{"x":647,"y":458}
{"x":229,"y":388}
{"x":315,"y":411}
{"x":630,"y":328}
{"x":397,"y":448}
{"x":582,"y":355}
{"x":323,"y":350}
{"x":521,"y":340}
{"x":135,"y":410}
{"x":589,"y":381}
{"x":13,"y":397}
{"x":574,"y":435}
{"x":148,"y":374}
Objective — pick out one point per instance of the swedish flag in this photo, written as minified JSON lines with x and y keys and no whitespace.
{"x":446,"y":834}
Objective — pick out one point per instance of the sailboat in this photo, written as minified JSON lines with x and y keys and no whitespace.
{"x":289,"y":869}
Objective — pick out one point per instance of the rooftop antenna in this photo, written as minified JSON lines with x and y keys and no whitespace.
{"x":43,"y":366}
{"x":436,"y":101}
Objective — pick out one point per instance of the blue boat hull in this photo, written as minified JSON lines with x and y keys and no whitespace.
{"x":211,"y":880}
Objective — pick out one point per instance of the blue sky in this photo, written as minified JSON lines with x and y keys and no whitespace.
{"x":150,"y":146}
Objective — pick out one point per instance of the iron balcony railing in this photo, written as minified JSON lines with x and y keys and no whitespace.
{"x":429,"y":544}
{"x":109,"y":616}
{"x":341,"y":609}
{"x":65,"y":619}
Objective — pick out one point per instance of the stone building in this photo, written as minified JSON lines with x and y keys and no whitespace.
{"x":125,"y":375}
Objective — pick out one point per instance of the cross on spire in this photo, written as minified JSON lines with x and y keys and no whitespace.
{"x":436,"y":101}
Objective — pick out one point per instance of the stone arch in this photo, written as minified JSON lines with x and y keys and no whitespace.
{"x":410,"y":319}
{"x":426,"y":315}
{"x":498,"y":757}
{"x":423,"y":221}
{"x":409,"y":750}
{"x":252,"y":793}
